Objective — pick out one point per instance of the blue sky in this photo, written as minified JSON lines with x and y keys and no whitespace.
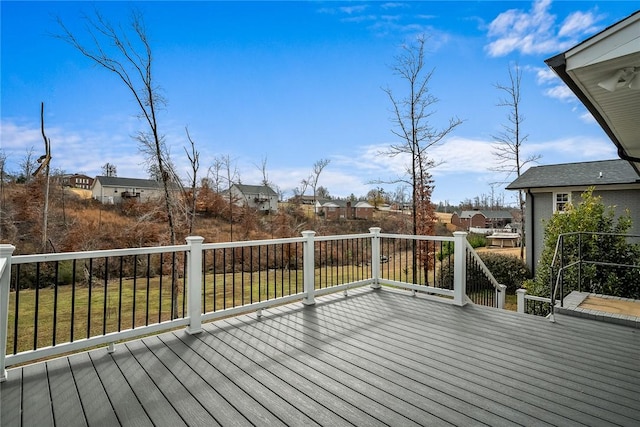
{"x":295,"y":82}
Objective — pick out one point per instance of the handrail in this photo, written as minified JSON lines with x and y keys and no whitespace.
{"x":484,"y":268}
{"x":558,"y":284}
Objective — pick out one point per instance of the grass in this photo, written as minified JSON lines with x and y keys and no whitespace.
{"x":85,"y":312}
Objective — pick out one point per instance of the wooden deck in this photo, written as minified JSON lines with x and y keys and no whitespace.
{"x":372,"y":358}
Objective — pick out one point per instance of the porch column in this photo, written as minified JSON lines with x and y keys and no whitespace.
{"x":375,"y":256}
{"x":308,"y":263}
{"x":5,"y":280}
{"x":459,"y":268}
{"x":194,"y":284}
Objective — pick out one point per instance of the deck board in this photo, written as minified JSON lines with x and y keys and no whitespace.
{"x":36,"y":397}
{"x":65,"y":400}
{"x":95,"y":402}
{"x":372,"y":358}
{"x":123,"y":400}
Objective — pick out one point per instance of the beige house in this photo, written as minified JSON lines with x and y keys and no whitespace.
{"x":113,"y":190}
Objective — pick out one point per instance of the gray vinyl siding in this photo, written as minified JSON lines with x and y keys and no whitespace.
{"x":543,"y":210}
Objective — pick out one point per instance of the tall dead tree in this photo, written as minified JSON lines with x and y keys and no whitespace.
{"x":128,"y":55}
{"x":44,"y":167}
{"x":412,"y":115}
{"x":507,"y":148}
{"x":194,"y":161}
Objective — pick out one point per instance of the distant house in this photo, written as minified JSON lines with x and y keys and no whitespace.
{"x":76,"y":181}
{"x":343,"y":209}
{"x":260,"y":197}
{"x":550,"y":188}
{"x":113,"y":190}
{"x":481,"y":219}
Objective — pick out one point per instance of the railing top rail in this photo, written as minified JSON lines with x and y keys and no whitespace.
{"x":417,"y":237}
{"x":343,"y":237}
{"x":63,"y":256}
{"x":245,"y":243}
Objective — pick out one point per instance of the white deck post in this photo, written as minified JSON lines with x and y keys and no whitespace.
{"x":375,"y":257}
{"x":309,"y":267}
{"x":194,"y":284}
{"x":460,"y":268}
{"x":5,"y":280}
{"x":502,"y":293}
{"x":520,"y":293}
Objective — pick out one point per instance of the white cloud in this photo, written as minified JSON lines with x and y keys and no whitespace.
{"x":586,"y":117}
{"x":545,"y":75}
{"x":578,"y":147}
{"x":560,"y":92}
{"x":579,"y":23}
{"x":72,"y":151}
{"x":535,"y":31}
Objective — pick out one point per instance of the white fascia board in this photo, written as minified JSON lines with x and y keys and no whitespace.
{"x":620,"y":40}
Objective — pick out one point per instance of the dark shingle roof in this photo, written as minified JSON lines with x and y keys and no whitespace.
{"x":604,"y":172}
{"x":256,"y":189}
{"x":114,"y":181}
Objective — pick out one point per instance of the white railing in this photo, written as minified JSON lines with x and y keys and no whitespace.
{"x":532,"y":304}
{"x":363,"y":267}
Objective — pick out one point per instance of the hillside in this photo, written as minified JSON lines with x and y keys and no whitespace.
{"x":78,"y":223}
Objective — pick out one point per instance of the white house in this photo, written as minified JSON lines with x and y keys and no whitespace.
{"x":112,"y":189}
{"x":260,"y":197}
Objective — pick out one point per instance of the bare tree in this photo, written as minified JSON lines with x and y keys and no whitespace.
{"x":3,"y":177}
{"x":194,"y":161}
{"x":508,"y":142}
{"x":231,"y":176}
{"x":216,"y":175}
{"x":28,"y":165}
{"x":131,"y":60}
{"x":314,"y":178}
{"x":263,"y":170}
{"x":109,"y":169}
{"x":411,"y":116}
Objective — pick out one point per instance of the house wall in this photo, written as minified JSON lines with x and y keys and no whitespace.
{"x":113,"y":195}
{"x":249,"y":199}
{"x":363,"y":213}
{"x":542,"y":203}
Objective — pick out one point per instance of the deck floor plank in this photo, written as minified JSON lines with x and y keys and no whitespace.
{"x":213,"y":402}
{"x":426,"y":344}
{"x":175,"y":393}
{"x":10,"y":400}
{"x":448,"y":385}
{"x":275,"y":395}
{"x":384,"y":407}
{"x":65,"y":400}
{"x":208,"y":372}
{"x":327,"y":409}
{"x":372,"y":358}
{"x":97,"y":406}
{"x":125,"y":403}
{"x":36,"y":400}
{"x":129,"y":390}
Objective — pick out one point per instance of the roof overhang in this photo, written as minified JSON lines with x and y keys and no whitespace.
{"x":593,"y":61}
